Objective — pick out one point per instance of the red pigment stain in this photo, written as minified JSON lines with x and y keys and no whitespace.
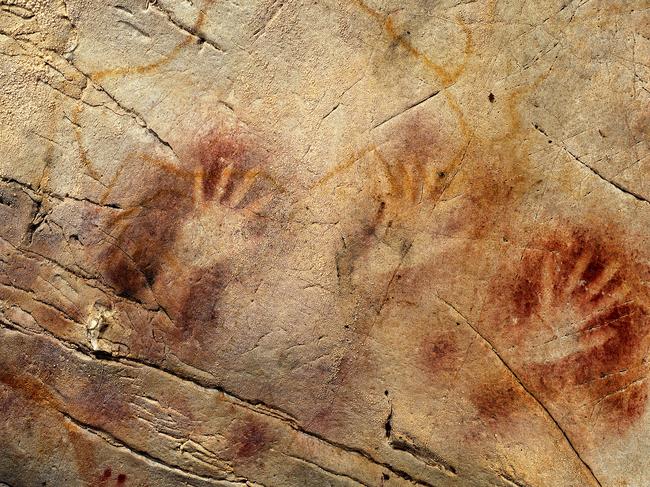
{"x":250,"y":439}
{"x":224,"y":169}
{"x":497,"y":403}
{"x":106,"y":475}
{"x":439,"y":354}
{"x":580,"y":292}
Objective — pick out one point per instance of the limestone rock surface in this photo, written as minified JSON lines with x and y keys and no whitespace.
{"x":324,"y":243}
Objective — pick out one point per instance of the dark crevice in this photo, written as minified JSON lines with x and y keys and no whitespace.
{"x":192,"y":31}
{"x":511,"y":481}
{"x":618,"y":186}
{"x":388,"y":425}
{"x":405,"y":444}
{"x":31,"y":192}
{"x":329,"y":470}
{"x":256,"y":406}
{"x":543,"y":132}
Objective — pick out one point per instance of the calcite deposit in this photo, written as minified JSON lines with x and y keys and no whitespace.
{"x":324,"y":243}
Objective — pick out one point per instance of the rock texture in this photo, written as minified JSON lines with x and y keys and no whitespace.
{"x":305,"y":243}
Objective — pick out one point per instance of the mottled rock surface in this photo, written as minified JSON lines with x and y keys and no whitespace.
{"x":314,"y":243}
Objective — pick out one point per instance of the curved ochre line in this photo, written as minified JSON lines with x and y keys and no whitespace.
{"x":445,"y":76}
{"x":81,"y":149}
{"x":154,"y":66}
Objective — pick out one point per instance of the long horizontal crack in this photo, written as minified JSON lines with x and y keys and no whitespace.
{"x":406,"y":109}
{"x":35,"y":51}
{"x":511,"y":482}
{"x":422,"y":454}
{"x":143,"y":455}
{"x":139,"y":119}
{"x":192,"y":31}
{"x":262,"y":408}
{"x":327,"y":470}
{"x":32,"y":295}
{"x":618,"y":186}
{"x":255,"y":406}
{"x":55,"y":195}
